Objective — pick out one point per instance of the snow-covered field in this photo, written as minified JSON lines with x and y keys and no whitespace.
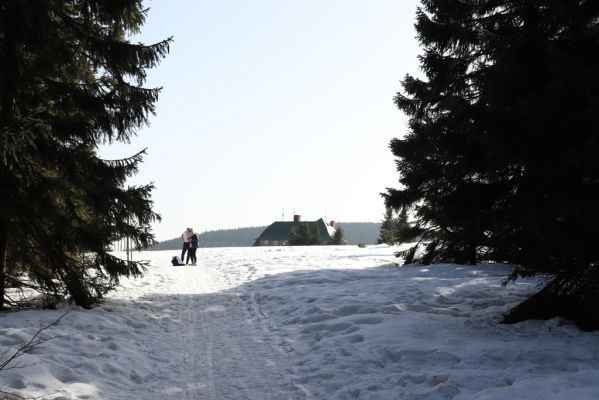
{"x":303,"y":323}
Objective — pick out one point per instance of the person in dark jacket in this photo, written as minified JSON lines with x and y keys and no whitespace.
{"x":194,"y":243}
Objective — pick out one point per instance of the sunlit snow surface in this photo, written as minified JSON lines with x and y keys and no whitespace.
{"x":303,"y":323}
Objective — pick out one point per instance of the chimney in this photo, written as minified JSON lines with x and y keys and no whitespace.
{"x":332,"y":223}
{"x":297,"y":218}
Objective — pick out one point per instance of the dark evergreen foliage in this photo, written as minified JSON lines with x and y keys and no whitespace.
{"x":302,"y":235}
{"x":69,"y":81}
{"x":406,"y":233}
{"x":388,"y":231}
{"x":500,"y":159}
{"x":396,"y":228}
{"x":338,"y":237}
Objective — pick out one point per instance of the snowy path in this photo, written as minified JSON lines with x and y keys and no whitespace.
{"x":303,"y":324}
{"x":224,"y":346}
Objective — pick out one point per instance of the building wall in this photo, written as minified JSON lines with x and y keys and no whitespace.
{"x":273,"y":243}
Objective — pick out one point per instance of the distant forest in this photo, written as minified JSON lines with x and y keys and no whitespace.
{"x":355,"y":232}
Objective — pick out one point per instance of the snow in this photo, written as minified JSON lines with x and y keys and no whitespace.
{"x":335,"y":322}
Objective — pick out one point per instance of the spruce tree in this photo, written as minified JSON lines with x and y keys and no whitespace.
{"x":500,"y":159}
{"x":405,"y":231}
{"x":70,"y":80}
{"x":302,"y":235}
{"x":338,"y":237}
{"x":396,"y":228}
{"x":442,"y":160}
{"x":388,"y":231}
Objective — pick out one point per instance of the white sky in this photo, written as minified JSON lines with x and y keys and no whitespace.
{"x":273,"y":106}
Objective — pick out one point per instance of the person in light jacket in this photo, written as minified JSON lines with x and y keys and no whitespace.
{"x":185,"y":237}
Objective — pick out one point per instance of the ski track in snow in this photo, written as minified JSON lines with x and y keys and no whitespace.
{"x":224,"y":352}
{"x":306,"y":324}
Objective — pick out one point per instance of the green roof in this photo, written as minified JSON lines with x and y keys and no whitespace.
{"x":280,"y":230}
{"x":277,"y":231}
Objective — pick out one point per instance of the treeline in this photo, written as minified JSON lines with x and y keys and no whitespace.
{"x":355,"y":233}
{"x":360,"y":232}
{"x":239,"y":237}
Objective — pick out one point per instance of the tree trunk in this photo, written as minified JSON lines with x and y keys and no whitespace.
{"x":8,"y":105}
{"x":3,"y":261}
{"x":578,"y":304}
{"x":472,"y":256}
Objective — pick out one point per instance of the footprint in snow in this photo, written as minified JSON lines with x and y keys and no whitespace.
{"x":356,"y":338}
{"x":113,"y":346}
